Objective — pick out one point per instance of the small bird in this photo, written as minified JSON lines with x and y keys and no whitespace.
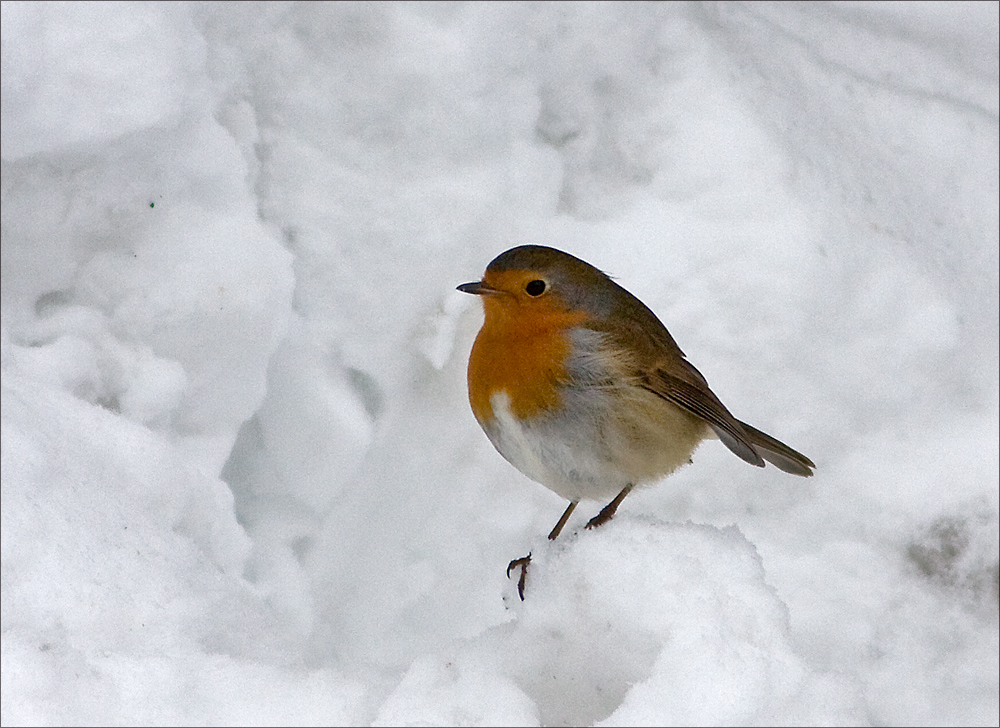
{"x":582,"y":388}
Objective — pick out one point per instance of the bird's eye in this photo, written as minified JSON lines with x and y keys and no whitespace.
{"x":535,"y":288}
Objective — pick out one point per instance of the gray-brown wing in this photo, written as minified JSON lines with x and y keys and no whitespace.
{"x":692,"y":393}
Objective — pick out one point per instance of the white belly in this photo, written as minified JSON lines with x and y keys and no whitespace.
{"x":583,"y":454}
{"x":555,"y":461}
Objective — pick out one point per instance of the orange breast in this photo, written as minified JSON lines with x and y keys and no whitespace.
{"x":522,"y":351}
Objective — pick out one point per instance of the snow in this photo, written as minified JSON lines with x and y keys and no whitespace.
{"x":241,"y":482}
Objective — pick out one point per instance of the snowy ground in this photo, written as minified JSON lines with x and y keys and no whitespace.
{"x":240,"y":479}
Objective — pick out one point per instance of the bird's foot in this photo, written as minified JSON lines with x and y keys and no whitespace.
{"x":609,"y":510}
{"x":605,"y":515}
{"x":523,"y":564}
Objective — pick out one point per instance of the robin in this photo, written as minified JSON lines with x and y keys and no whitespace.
{"x":582,"y":388}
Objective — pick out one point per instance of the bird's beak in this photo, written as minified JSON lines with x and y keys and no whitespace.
{"x":477,"y":287}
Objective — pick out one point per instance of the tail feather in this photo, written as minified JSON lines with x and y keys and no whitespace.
{"x":778,"y":453}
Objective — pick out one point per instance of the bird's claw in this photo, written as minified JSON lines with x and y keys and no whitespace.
{"x":523,"y":563}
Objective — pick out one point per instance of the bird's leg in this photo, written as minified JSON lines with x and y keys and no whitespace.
{"x":557,"y":529}
{"x":609,"y":510}
{"x":523,"y":563}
